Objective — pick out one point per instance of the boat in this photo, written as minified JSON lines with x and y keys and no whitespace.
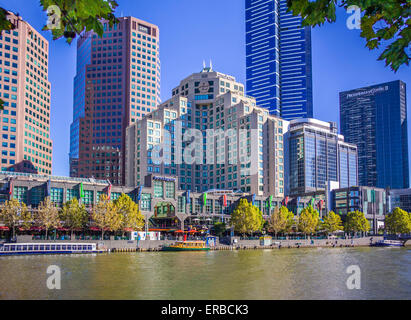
{"x":187,"y":246}
{"x":389,"y":243}
{"x":12,"y":249}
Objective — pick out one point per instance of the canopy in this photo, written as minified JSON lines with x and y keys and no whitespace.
{"x":4,"y":229}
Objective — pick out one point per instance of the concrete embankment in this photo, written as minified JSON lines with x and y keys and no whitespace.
{"x":154,"y":246}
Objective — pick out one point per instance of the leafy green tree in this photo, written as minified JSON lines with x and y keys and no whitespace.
{"x":246,"y":218}
{"x":219,"y":228}
{"x":281,"y":220}
{"x":398,"y":222}
{"x":105,"y":215}
{"x":384,"y":22}
{"x":308,"y":220}
{"x":131,"y":217}
{"x":47,"y":215}
{"x":356,"y":222}
{"x":14,"y":214}
{"x":332,"y":223}
{"x":74,"y":215}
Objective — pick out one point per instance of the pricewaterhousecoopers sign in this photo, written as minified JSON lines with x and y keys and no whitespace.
{"x":367,"y":92}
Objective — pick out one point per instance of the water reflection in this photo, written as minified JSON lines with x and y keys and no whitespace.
{"x":261,"y":274}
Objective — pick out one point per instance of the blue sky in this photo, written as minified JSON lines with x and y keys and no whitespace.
{"x":191,"y":31}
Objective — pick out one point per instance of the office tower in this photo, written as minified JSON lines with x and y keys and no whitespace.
{"x":25,"y":140}
{"x":117,"y":83}
{"x":318,"y":155}
{"x":278,"y":59}
{"x":375,"y":119}
{"x":240,"y":146}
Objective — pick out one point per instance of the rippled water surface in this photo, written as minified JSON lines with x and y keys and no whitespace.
{"x":266,"y":274}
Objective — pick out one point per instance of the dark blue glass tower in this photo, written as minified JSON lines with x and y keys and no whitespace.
{"x":278,"y":59}
{"x":375,"y":119}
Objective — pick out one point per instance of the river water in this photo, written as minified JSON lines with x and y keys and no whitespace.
{"x":319,"y":273}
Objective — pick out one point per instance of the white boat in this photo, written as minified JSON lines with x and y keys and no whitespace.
{"x":389,"y":243}
{"x":9,"y":249}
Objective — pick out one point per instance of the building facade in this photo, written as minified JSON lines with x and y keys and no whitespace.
{"x":117,"y":83}
{"x":375,"y":119}
{"x":278,"y":59}
{"x":399,"y":198}
{"x":211,"y":136}
{"x":371,"y":201}
{"x":160,"y":200}
{"x":25,"y":140}
{"x":317,"y":154}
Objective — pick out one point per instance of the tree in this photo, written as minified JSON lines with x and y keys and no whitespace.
{"x":398,"y":222}
{"x":356,"y":222}
{"x":281,"y":220}
{"x":105,"y":215}
{"x":332,"y":223}
{"x":13,"y":214}
{"x":219,"y":228}
{"x":74,"y":215}
{"x":47,"y":215}
{"x":246,"y":218}
{"x":308,"y":220}
{"x":385,"y":22}
{"x":131,"y":217}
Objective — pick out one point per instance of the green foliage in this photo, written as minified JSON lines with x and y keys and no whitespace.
{"x":4,"y":23}
{"x":72,"y":17}
{"x":14,"y":214}
{"x":47,"y":215}
{"x":246,"y":218}
{"x":308,"y":220}
{"x":219,"y":228}
{"x":356,"y":222}
{"x":105,"y":215}
{"x":281,"y":220}
{"x":383,"y":21}
{"x":130,"y":215}
{"x":332,"y":223}
{"x":74,"y":215}
{"x":398,"y":221}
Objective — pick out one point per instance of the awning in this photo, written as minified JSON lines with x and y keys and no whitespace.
{"x":4,"y":229}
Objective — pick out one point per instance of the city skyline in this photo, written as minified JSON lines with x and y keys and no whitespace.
{"x":359,"y":61}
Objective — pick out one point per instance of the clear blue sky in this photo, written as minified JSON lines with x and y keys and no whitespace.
{"x":191,"y":31}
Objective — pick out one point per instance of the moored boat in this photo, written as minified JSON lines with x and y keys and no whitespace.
{"x":187,"y":246}
{"x":389,"y":243}
{"x":11,"y":249}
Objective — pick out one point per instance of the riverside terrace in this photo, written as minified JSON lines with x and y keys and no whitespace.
{"x":160,"y":200}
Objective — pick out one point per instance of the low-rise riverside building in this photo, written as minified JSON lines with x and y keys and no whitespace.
{"x":159,"y":199}
{"x":211,"y":136}
{"x":399,"y":198}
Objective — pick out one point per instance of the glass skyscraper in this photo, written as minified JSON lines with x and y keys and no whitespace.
{"x":278,"y":59}
{"x":375,"y":119}
{"x":318,"y":155}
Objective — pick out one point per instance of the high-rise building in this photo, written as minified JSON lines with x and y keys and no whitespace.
{"x":117,"y":83}
{"x":318,"y":155}
{"x":25,"y":140}
{"x":236,"y":145}
{"x":278,"y":59}
{"x":375,"y":119}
